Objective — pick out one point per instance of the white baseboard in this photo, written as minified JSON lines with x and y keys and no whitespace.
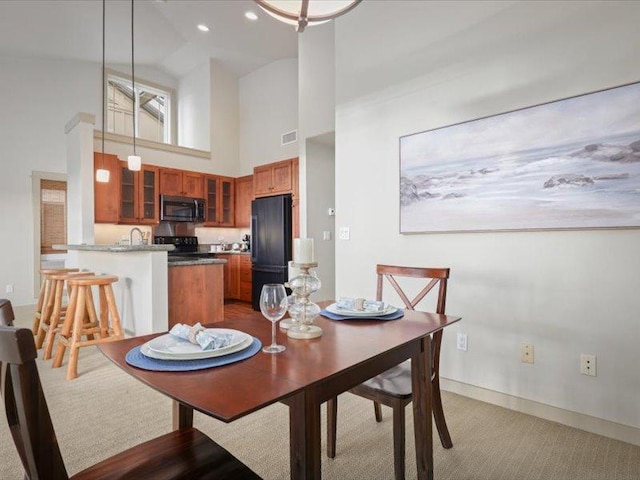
{"x":581,"y":421}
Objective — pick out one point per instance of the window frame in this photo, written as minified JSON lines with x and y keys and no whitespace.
{"x":170,"y":127}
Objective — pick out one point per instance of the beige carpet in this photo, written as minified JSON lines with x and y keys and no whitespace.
{"x":105,"y":411}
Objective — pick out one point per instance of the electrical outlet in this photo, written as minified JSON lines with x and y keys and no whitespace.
{"x":588,"y":364}
{"x":526,"y":353}
{"x":9,"y":289}
{"x":461,"y":342}
{"x":326,"y":235}
{"x":344,"y":233}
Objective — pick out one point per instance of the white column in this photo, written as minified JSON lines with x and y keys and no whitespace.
{"x":80,"y":217}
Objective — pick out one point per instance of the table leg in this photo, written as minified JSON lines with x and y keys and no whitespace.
{"x":182,"y":416}
{"x":422,"y":420}
{"x":304,"y":436}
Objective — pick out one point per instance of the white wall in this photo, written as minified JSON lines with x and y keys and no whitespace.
{"x":316,"y":116}
{"x":321,"y":194}
{"x":225,"y":121}
{"x":38,"y":98}
{"x":567,"y":292}
{"x":316,"y":80}
{"x":268,"y":108}
{"x":193,"y":109}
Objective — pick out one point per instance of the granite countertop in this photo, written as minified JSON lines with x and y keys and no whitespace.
{"x":185,"y":261}
{"x":231,"y":252}
{"x":117,"y":248}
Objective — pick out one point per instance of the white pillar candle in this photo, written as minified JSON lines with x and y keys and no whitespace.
{"x":303,"y":250}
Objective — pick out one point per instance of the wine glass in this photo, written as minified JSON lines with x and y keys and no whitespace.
{"x":273,"y":305}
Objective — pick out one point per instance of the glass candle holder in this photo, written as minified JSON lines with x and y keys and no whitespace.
{"x":301,"y":309}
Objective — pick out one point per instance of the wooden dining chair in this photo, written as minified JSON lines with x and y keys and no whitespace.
{"x":393,"y":387}
{"x":6,"y":319}
{"x":182,"y":454}
{"x":6,"y":313}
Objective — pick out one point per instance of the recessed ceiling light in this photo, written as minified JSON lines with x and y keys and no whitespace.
{"x":251,"y":15}
{"x":203,"y":28}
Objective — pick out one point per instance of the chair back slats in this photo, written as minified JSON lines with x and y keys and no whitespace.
{"x":26,"y":408}
{"x":436,"y":276}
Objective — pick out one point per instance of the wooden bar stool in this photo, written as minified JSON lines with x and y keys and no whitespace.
{"x":55,"y":310}
{"x":74,"y":326}
{"x":43,"y":296}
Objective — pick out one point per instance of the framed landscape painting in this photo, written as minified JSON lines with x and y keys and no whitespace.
{"x":568,"y":164}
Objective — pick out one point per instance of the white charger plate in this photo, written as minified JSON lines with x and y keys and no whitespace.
{"x":174,"y":347}
{"x":202,"y":354}
{"x":333,"y":308}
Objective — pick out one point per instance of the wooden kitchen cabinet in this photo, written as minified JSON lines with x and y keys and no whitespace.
{"x":219,"y":194}
{"x":181,"y":183}
{"x":245,"y":277}
{"x":106,"y":203}
{"x":244,"y":196}
{"x":237,"y":276}
{"x":231,"y":285}
{"x":195,"y":295}
{"x":280,"y":178}
{"x":273,"y":178}
{"x":138,"y":199}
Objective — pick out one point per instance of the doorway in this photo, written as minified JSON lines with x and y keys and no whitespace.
{"x":49,"y":197}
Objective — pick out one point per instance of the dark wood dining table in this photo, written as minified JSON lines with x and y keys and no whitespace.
{"x":305,"y":375}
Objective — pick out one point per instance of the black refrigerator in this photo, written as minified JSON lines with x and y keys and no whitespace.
{"x":270,"y":242}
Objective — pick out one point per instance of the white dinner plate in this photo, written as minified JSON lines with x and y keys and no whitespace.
{"x":333,"y":308}
{"x":170,"y":345}
{"x":246,"y":343}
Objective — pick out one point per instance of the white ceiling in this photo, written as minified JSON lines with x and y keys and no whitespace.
{"x":166,"y":36}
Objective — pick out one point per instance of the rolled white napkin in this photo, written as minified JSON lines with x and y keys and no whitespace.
{"x":346,"y":303}
{"x":198,"y":335}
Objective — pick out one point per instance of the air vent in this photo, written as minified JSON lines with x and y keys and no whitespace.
{"x":289,"y":137}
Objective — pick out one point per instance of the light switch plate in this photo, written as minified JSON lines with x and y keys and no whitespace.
{"x":344,"y":233}
{"x":326,"y":235}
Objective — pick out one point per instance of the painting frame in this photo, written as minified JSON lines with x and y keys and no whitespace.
{"x":567,"y":164}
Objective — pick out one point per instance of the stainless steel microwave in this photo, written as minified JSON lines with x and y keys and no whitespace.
{"x":182,"y":209}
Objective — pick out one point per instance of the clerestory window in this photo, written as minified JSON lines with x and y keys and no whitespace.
{"x":152,"y":106}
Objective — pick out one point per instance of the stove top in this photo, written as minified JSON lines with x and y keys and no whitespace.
{"x":182,"y":244}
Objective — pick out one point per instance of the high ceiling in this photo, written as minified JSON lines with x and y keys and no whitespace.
{"x":166,"y":34}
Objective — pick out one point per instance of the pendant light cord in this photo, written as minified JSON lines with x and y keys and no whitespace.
{"x":104,"y":116}
{"x":133,"y":84}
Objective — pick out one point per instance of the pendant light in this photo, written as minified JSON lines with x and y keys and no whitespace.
{"x":134,"y":162}
{"x":306,"y":12}
{"x":102,"y":174}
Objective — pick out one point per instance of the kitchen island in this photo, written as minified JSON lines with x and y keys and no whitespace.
{"x":196,"y":292}
{"x":142,"y":292}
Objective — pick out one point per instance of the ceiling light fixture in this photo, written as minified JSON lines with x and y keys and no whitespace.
{"x":134,"y":162}
{"x":306,"y":12}
{"x":203,"y":28}
{"x":102,"y":174}
{"x":251,"y":15}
